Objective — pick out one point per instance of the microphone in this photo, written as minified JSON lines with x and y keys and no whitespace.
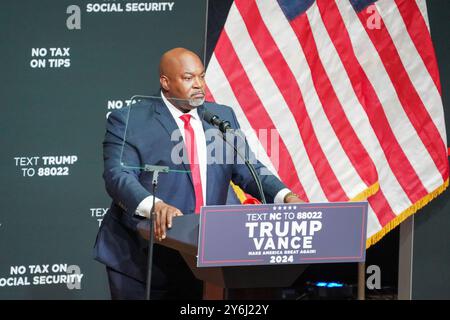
{"x":215,"y":121}
{"x":225,"y":127}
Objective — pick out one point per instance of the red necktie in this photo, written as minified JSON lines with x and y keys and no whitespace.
{"x":189,"y":138}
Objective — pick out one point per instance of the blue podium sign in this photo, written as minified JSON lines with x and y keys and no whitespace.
{"x":272,"y":234}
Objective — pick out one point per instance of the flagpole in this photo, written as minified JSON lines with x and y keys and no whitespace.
{"x":361,"y":280}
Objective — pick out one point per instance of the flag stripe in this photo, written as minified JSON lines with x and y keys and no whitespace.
{"x":271,"y":98}
{"x":414,"y":66}
{"x":374,"y":69}
{"x":281,"y":32}
{"x":420,"y":36}
{"x":422,"y":5}
{"x":358,"y":155}
{"x":221,"y":92}
{"x":420,"y":78}
{"x":381,"y":207}
{"x":285,"y":81}
{"x":410,"y":101}
{"x":373,"y":224}
{"x":367,"y":97}
{"x":252,"y":106}
{"x":333,"y":62}
{"x":348,"y":82}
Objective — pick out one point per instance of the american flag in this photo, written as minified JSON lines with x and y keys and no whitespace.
{"x":352,"y":88}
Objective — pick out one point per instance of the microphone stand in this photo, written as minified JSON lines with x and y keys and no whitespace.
{"x":224,"y":127}
{"x":156,"y":170}
{"x":250,"y":167}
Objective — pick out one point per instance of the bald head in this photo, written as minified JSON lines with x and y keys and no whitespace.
{"x":181,"y":75}
{"x":174,"y":59}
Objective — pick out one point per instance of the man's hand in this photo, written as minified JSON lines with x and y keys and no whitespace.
{"x":292,"y":198}
{"x":162,"y":220}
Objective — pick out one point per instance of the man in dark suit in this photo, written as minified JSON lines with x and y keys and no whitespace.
{"x":144,"y":134}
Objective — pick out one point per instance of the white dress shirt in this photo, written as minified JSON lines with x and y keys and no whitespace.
{"x":145,"y":206}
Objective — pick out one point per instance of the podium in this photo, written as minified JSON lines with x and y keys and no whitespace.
{"x":341,"y":238}
{"x":183,"y":237}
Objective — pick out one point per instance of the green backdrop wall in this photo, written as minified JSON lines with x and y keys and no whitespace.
{"x":63,"y":66}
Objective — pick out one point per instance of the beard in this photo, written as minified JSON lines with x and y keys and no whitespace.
{"x":196,"y":102}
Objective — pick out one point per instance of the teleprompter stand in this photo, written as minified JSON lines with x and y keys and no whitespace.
{"x":156,"y":170}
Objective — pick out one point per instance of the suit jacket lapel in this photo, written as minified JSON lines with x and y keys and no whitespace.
{"x":163,"y":115}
